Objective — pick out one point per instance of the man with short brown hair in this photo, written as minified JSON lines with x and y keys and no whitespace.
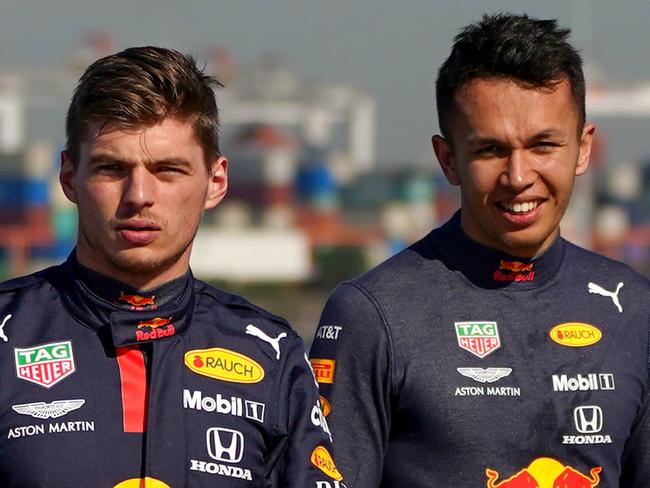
{"x":121,"y":369}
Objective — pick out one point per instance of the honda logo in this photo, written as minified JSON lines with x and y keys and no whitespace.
{"x":588,"y":419}
{"x":225,"y":445}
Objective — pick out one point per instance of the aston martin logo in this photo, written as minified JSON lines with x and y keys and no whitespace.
{"x":42,"y":410}
{"x":487,"y":375}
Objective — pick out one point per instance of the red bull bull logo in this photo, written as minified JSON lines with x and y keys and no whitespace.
{"x":142,"y":483}
{"x":137,"y":302}
{"x":546,"y":473}
{"x":158,"y":327}
{"x":514,"y":271}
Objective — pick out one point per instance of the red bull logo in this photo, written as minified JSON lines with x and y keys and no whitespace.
{"x":154,"y":323}
{"x":514,"y":271}
{"x":158,"y":327}
{"x":546,"y":473}
{"x":142,"y":483}
{"x":137,"y":302}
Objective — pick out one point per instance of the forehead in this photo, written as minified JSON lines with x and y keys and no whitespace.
{"x":508,"y":106}
{"x":168,"y":138}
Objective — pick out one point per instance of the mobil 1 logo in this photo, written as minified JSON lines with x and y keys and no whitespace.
{"x":583,"y":382}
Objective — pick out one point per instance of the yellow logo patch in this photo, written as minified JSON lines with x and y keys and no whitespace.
{"x":326,"y":406}
{"x":142,"y":483}
{"x":575,"y":334}
{"x":225,"y":365}
{"x":321,"y":458}
{"x":324,"y":370}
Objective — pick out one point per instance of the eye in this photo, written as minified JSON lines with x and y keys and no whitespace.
{"x":545,"y":146}
{"x":108,"y":168}
{"x":171,"y":169}
{"x":491,"y":149}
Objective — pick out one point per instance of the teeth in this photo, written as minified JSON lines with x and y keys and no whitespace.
{"x":520,"y":207}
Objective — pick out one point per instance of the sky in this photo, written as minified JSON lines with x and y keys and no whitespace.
{"x":390,"y":49}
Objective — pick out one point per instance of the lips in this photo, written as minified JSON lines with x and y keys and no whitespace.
{"x":138,"y":233}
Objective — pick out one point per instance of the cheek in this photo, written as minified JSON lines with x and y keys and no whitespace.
{"x":482,"y":177}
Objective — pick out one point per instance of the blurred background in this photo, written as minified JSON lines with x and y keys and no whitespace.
{"x":327,"y":114}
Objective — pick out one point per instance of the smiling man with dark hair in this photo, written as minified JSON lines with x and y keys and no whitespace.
{"x":493,"y":352}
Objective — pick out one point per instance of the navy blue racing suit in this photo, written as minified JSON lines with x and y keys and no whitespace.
{"x":452,"y":364}
{"x":207,"y":390}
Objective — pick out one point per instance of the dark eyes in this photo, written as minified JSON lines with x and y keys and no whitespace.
{"x":171,"y":169}
{"x":501,"y":151}
{"x":108,"y":168}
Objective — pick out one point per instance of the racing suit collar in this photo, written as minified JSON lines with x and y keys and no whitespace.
{"x":491,"y":268}
{"x":122,"y":327}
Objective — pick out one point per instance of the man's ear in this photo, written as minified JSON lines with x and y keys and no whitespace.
{"x":66,"y":177}
{"x":586,"y":142}
{"x":445,"y":156}
{"x":218,"y":185}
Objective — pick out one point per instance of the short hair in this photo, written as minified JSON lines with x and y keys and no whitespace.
{"x":142,"y":86}
{"x":533,"y":52}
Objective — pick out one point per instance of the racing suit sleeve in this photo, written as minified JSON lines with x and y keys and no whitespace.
{"x":307,"y":455}
{"x":352,"y":358}
{"x":635,"y":469}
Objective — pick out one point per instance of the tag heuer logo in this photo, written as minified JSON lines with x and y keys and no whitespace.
{"x":45,"y":365}
{"x":479,"y":338}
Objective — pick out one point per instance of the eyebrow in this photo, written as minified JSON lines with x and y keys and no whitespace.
{"x":107,"y":158}
{"x":489,"y":141}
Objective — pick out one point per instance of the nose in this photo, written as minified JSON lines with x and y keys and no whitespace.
{"x":139,"y":188}
{"x":518,"y":173}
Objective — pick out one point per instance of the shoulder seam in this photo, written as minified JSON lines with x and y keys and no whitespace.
{"x":384,"y":320}
{"x":242,"y":303}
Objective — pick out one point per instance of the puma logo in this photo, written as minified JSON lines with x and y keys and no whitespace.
{"x":3,"y":336}
{"x":599,"y":290}
{"x":275,"y":343}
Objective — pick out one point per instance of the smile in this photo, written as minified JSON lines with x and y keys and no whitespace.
{"x":519,"y":207}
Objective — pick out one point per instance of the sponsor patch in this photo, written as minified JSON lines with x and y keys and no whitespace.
{"x":325,"y":405}
{"x":142,"y":483}
{"x":137,"y":302}
{"x":273,"y":341}
{"x":46,"y":364}
{"x":588,"y":421}
{"x":575,"y":334}
{"x":53,"y":428}
{"x":514,"y":271}
{"x":586,"y":382}
{"x":226,"y":447}
{"x":195,"y":400}
{"x":330,"y":332}
{"x":155,"y":328}
{"x":225,"y":365}
{"x":318,"y":419}
{"x":485,"y":375}
{"x":3,"y":336}
{"x":42,"y":410}
{"x":324,"y":370}
{"x":321,"y":458}
{"x":546,"y":472}
{"x":474,"y":391}
{"x":599,"y":290}
{"x":479,"y":338}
